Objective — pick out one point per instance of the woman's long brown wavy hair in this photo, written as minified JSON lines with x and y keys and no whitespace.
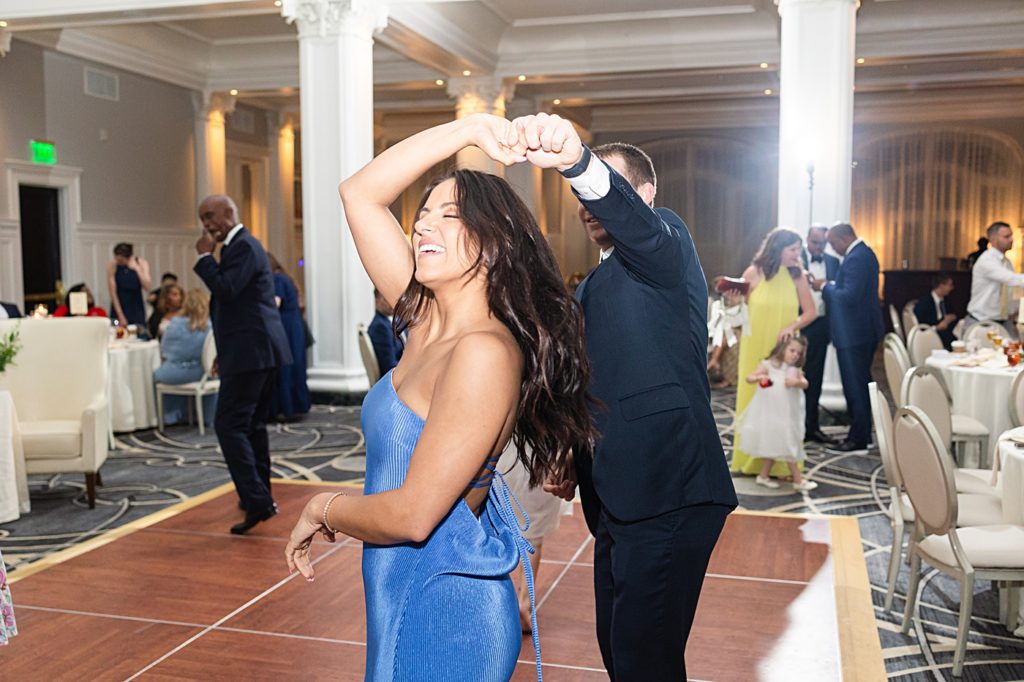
{"x":526,"y":293}
{"x":769,"y":256}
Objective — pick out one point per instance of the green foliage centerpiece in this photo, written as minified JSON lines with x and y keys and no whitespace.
{"x":10,"y":344}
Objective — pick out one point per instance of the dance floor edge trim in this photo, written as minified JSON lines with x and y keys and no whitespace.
{"x":859,"y":643}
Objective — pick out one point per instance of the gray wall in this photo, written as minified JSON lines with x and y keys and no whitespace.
{"x":22,"y":105}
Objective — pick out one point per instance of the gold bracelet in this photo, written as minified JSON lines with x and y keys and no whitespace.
{"x":327,"y":508}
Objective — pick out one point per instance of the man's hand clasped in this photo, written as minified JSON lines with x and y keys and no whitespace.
{"x":545,"y":140}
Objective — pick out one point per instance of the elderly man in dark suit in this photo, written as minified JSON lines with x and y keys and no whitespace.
{"x":656,"y":491}
{"x":821,"y":266}
{"x":855,"y":316}
{"x":251,"y":345}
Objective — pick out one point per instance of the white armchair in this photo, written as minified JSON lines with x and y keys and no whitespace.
{"x":59,"y":387}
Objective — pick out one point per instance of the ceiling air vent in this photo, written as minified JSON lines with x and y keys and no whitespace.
{"x":101,"y":84}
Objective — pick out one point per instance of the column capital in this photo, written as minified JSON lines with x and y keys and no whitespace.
{"x":332,"y":18}
{"x":474,"y":94}
{"x":788,"y":4}
{"x":5,"y":42}
{"x":207,"y":103}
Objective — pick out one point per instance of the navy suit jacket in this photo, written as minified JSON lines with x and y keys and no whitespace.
{"x":645,"y":311}
{"x":246,"y":322}
{"x":854,"y":311}
{"x":12,"y":310}
{"x":925,"y":312}
{"x":386,"y":347}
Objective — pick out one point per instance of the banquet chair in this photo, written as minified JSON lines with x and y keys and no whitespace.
{"x":368,"y":354}
{"x":924,"y":387}
{"x":922,"y":339}
{"x":897,"y":325}
{"x":197,"y":390}
{"x":59,"y":385}
{"x":978,"y":330}
{"x":897,"y":364}
{"x":975,"y":509}
{"x":908,"y":318}
{"x":994,"y":553}
{"x":1017,"y":400}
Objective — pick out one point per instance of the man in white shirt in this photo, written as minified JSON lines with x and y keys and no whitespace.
{"x":991,"y":279}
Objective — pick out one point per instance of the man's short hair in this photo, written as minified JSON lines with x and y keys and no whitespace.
{"x":940,"y":279}
{"x":123,"y":249}
{"x":994,"y":228}
{"x":639,"y":167}
{"x":843,"y":230}
{"x":169,"y":275}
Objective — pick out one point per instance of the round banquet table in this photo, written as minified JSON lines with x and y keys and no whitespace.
{"x":13,"y":482}
{"x":130,"y":382}
{"x":1011,"y":479}
{"x":982,"y":392}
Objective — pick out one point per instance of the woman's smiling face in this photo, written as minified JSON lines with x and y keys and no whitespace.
{"x":441,"y":243}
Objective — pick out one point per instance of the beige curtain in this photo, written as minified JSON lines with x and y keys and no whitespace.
{"x":924,"y":195}
{"x":725,"y":191}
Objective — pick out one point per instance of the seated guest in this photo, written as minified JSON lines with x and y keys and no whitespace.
{"x":154,"y":297}
{"x":932,"y":309}
{"x":182,"y":350}
{"x":991,"y":279}
{"x":386,"y":346}
{"x":64,"y":309}
{"x":8,"y":310}
{"x":291,"y":394}
{"x":973,"y":256}
{"x":168,"y":306}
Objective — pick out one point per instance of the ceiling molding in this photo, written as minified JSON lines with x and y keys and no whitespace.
{"x":912,"y":42}
{"x":620,"y":17}
{"x":432,"y":27}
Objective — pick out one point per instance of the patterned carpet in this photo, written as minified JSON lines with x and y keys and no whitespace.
{"x":150,"y":471}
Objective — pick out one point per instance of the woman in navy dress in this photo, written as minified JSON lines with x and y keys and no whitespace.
{"x":127,"y":279}
{"x":291,"y":395}
{"x":495,"y":352}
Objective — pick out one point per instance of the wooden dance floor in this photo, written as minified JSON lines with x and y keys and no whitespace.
{"x":174,"y":596}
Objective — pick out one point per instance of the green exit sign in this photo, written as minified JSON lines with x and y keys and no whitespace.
{"x":43,"y":151}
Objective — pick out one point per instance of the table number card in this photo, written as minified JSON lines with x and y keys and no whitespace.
{"x":78,"y":303}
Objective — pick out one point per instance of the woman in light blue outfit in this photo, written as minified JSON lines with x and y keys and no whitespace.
{"x":182,"y":350}
{"x":495,"y":353}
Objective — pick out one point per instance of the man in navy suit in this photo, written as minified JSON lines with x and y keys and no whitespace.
{"x":9,"y":310}
{"x":386,"y":346}
{"x":821,"y":266}
{"x":855,"y":316}
{"x":251,"y":345}
{"x":931,"y":308}
{"x":656,"y":490}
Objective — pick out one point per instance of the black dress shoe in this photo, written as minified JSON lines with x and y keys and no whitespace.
{"x":819,"y":437}
{"x":251,"y":519}
{"x":848,"y":446}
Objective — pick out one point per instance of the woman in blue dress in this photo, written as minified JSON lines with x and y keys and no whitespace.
{"x":291,"y":393}
{"x":127,"y":278}
{"x":495,"y":352}
{"x":181,"y":349}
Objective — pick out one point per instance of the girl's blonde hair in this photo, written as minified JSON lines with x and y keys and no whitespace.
{"x":196,"y":308}
{"x":779,"y":352}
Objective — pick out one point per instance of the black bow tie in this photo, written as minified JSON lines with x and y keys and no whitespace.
{"x":818,"y":259}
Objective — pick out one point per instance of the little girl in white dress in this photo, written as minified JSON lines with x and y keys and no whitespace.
{"x":772,"y":426}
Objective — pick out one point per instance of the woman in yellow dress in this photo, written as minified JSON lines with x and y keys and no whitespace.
{"x":778,"y":292}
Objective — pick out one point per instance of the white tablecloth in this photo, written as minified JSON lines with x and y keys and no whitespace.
{"x":979,"y":392}
{"x":130,"y":382}
{"x":1011,"y":480}
{"x":13,"y":484}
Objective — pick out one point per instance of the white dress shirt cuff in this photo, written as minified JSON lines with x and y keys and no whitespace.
{"x":594,"y":182}
{"x":203,"y":255}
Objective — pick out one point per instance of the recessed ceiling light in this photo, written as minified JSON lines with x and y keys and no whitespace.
{"x":277,"y":3}
{"x":232,"y":92}
{"x":763,"y":65}
{"x":556,"y":101}
{"x":3,"y":24}
{"x":521,"y":77}
{"x":467,"y":72}
{"x":768,"y":91}
{"x":439,"y":82}
{"x":860,"y":60}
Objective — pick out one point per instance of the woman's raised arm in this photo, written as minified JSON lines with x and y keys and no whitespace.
{"x":383,"y":248}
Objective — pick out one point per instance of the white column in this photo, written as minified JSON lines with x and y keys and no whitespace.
{"x":5,"y":42}
{"x":336,"y":76}
{"x":281,"y":203}
{"x":475,"y":94}
{"x":816,"y":111}
{"x":211,"y":148}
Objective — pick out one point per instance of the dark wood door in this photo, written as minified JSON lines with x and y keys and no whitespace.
{"x":40,"y":246}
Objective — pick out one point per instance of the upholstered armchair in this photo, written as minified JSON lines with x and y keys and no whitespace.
{"x":59,"y":385}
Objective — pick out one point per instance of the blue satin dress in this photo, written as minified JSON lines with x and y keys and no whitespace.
{"x":444,"y":609}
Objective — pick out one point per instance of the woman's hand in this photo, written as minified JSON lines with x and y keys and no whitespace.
{"x":786,"y":333}
{"x":498,"y":138}
{"x":122,"y":320}
{"x":310,"y":523}
{"x":550,"y":141}
{"x":562,"y":483}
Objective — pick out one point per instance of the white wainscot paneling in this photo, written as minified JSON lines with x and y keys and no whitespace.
{"x":10,"y":262}
{"x":166,"y":249}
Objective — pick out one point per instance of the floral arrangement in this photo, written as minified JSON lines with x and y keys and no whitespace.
{"x":10,"y":344}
